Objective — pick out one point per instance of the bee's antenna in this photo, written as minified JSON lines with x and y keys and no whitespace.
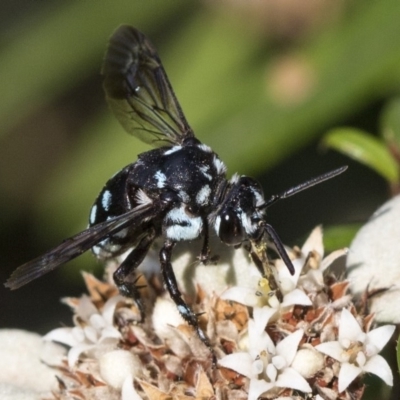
{"x":280,"y":248}
{"x":302,"y":186}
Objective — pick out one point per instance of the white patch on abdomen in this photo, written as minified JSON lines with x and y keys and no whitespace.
{"x":105,"y":249}
{"x":175,"y":231}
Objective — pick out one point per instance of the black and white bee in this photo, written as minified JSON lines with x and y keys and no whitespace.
{"x":177,"y":192}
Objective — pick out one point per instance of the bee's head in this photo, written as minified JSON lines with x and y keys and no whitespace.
{"x":239,"y":215}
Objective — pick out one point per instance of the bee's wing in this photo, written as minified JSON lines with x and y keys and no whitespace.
{"x":138,"y":91}
{"x":78,"y":244}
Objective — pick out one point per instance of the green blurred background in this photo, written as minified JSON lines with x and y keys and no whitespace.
{"x":259,"y":81}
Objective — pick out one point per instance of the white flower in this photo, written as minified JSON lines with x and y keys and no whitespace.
{"x":308,"y":361}
{"x":258,"y":292}
{"x":267,"y":366}
{"x":373,"y":262}
{"x":25,"y":365}
{"x":357,"y":351}
{"x":309,"y":266}
{"x":232,"y":266}
{"x":118,"y":368}
{"x":165,"y":319}
{"x":94,"y":328}
{"x":292,"y":294}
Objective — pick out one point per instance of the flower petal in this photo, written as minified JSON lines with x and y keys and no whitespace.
{"x":378,"y":366}
{"x":97,"y":321}
{"x":85,"y":308}
{"x":296,"y":296}
{"x":312,"y":281}
{"x":314,"y":242}
{"x":328,"y":260}
{"x":261,"y":317}
{"x":375,"y":248}
{"x":349,"y":329}
{"x":79,"y":334}
{"x":90,"y":333}
{"x":289,"y":378}
{"x":109,"y":308}
{"x":239,"y":362}
{"x":332,"y":349}
{"x":110,"y":332}
{"x":348,"y":372}
{"x":290,"y":281}
{"x":62,"y":335}
{"x":287,"y":348}
{"x":279,"y":362}
{"x":259,"y":341}
{"x":242,"y":295}
{"x":380,"y":336}
{"x":128,"y":391}
{"x":75,"y":352}
{"x":271,"y":372}
{"x":258,"y":387}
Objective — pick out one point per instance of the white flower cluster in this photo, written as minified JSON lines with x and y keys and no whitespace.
{"x":94,"y":330}
{"x":95,"y":335}
{"x":286,"y":364}
{"x":266,"y":365}
{"x":373,"y":262}
{"x":357,"y":351}
{"x":308,"y":339}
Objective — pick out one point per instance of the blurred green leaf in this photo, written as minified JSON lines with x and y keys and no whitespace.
{"x":339,"y":236}
{"x":364,"y":148}
{"x":65,"y":45}
{"x":390,"y":122}
{"x":353,"y":64}
{"x":77,"y":182}
{"x":398,"y":354}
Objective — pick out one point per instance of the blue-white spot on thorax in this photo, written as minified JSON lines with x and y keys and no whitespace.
{"x":160,"y":179}
{"x":205,"y":171}
{"x":203,"y":196}
{"x":172,"y":150}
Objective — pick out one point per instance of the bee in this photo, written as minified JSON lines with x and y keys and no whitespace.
{"x":178,"y":191}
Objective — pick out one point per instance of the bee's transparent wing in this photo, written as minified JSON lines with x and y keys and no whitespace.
{"x":78,"y":244}
{"x":138,"y":91}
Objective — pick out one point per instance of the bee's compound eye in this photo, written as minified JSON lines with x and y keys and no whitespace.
{"x":230,"y":228}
